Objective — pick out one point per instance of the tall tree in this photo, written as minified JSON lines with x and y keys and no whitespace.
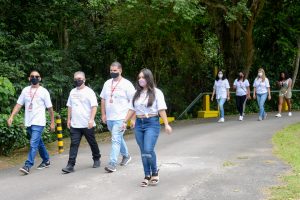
{"x":233,"y":21}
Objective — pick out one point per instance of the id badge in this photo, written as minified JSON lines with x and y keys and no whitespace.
{"x":30,"y":107}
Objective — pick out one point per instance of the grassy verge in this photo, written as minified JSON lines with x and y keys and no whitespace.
{"x":287,"y":147}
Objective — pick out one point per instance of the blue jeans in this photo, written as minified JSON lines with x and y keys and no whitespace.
{"x":146,"y":134}
{"x":118,"y":144}
{"x":261,"y":99}
{"x":36,"y":144}
{"x":221,"y":102}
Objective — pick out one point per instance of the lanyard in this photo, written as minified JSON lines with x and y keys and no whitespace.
{"x":33,"y":94}
{"x":113,"y":88}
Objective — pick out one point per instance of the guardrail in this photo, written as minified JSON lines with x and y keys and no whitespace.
{"x":188,"y":108}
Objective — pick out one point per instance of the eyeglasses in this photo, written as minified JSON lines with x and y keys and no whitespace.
{"x":34,"y":76}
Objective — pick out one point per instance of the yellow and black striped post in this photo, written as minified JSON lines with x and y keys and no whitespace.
{"x":60,"y":141}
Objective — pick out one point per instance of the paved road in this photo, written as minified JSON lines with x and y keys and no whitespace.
{"x":201,"y":160}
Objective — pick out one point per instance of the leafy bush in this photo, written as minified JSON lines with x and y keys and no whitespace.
{"x":7,"y":92}
{"x":12,"y":137}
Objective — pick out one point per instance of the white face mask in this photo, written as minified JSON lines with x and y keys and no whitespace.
{"x":260,"y":74}
{"x":220,"y":76}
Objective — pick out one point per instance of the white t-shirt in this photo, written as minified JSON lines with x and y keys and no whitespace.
{"x":241,"y":87}
{"x":120,"y":93}
{"x":81,"y":102}
{"x":221,"y":87}
{"x":39,"y":98}
{"x":140,"y":105}
{"x":261,"y":87}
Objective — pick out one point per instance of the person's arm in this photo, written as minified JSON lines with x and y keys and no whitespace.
{"x":69,"y":117}
{"x":213,"y":94}
{"x":254,"y":93}
{"x":13,"y":113}
{"x":164,"y":117}
{"x":103,"y":114}
{"x":290,"y":83}
{"x":130,"y":114}
{"x":269,"y":93}
{"x":248,"y":93}
{"x":52,"y":124}
{"x":92,"y":117}
{"x":227,"y":89}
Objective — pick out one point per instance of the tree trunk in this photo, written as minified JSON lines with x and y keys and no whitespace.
{"x":296,"y":62}
{"x":66,"y":37}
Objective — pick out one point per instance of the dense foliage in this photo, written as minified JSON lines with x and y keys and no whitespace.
{"x":182,"y":42}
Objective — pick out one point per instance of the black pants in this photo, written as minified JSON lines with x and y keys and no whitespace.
{"x":240,"y":100}
{"x":76,"y":135}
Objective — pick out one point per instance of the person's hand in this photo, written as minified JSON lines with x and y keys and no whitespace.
{"x":124,"y":126}
{"x":269,"y":97}
{"x":132,"y":123}
{"x":168,"y":129}
{"x":52,"y":127}
{"x":254,"y":96}
{"x":9,"y":121}
{"x":212,"y":98}
{"x":91,"y":124}
{"x":69,"y":124}
{"x":248,"y":97}
{"x":103,"y":118}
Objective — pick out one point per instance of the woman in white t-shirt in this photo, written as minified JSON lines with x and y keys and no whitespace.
{"x":285,"y":92}
{"x":242,"y":87}
{"x":221,"y":89}
{"x":262,"y":92}
{"x":147,"y":103}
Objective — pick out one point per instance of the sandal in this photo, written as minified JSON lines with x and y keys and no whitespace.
{"x":155,"y":178}
{"x":145,"y":182}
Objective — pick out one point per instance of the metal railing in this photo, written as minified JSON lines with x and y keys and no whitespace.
{"x":188,"y":108}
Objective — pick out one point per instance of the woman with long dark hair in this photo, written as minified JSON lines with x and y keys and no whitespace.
{"x":285,"y":84}
{"x":148,"y":104}
{"x":242,"y":87}
{"x":221,"y":89}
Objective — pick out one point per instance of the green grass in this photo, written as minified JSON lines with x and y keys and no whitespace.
{"x":287,"y":147}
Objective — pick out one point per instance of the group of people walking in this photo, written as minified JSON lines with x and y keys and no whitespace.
{"x":261,"y":92}
{"x":121,"y":102}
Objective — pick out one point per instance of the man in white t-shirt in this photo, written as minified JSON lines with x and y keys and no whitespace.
{"x":82,"y":107}
{"x":36,"y":99}
{"x":115,"y":98}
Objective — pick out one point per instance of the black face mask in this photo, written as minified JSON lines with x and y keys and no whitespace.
{"x":241,"y":77}
{"x":114,"y":74}
{"x":78,"y":83}
{"x":34,"y":81}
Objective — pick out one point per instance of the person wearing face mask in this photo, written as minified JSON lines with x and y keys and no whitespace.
{"x":82,"y":107}
{"x":36,"y":99}
{"x":285,"y":92}
{"x":242,"y":87}
{"x":148,"y":102}
{"x":115,"y":97}
{"x":261,"y":92}
{"x":221,"y":90}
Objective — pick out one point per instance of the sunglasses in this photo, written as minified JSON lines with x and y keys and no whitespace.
{"x":34,"y":76}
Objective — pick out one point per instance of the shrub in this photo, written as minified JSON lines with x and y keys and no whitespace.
{"x":12,"y":137}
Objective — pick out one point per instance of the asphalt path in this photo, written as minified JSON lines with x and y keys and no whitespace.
{"x":200,"y":160}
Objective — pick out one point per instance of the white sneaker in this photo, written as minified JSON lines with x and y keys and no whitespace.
{"x":241,"y":118}
{"x":290,"y":114}
{"x":265,"y":116}
{"x":221,"y":120}
{"x":278,"y":115}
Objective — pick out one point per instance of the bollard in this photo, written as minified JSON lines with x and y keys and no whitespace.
{"x":60,"y":141}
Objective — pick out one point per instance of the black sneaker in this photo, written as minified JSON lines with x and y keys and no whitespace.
{"x":96,"y":163}
{"x":68,"y":169}
{"x":44,"y":165}
{"x":110,"y":168}
{"x":125,"y":160}
{"x":24,"y":170}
